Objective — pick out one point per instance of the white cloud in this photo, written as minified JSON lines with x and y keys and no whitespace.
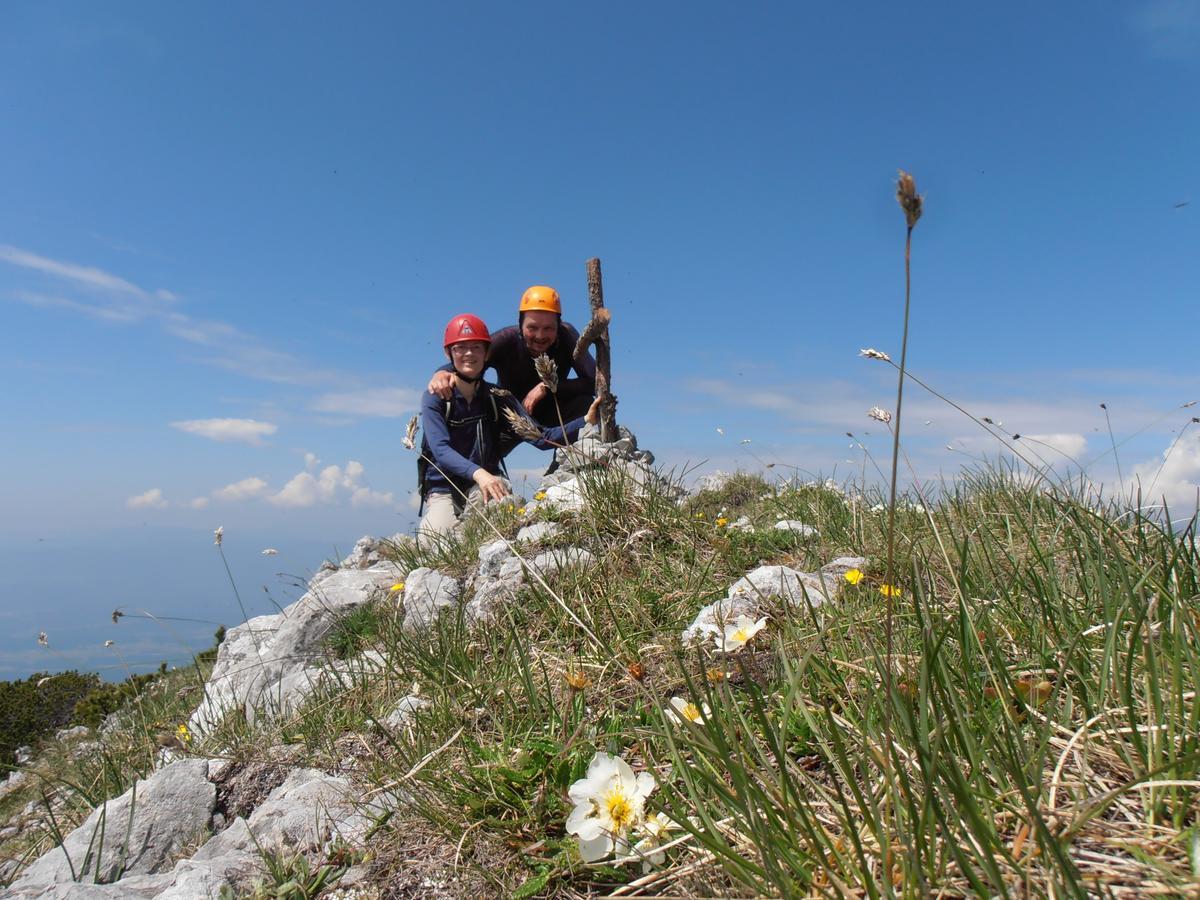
{"x":1175,"y":477}
{"x":329,"y":486}
{"x":87,"y":276}
{"x":245,"y":489}
{"x":246,"y":431}
{"x":151,"y":499}
{"x":1071,"y":445}
{"x":198,"y":502}
{"x":391,"y":402}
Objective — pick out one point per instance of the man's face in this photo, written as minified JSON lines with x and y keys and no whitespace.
{"x":539,"y":329}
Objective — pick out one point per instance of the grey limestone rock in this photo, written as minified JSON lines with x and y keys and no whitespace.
{"x":70,"y":734}
{"x":843,"y":564}
{"x":741,"y":523}
{"x":538,"y":531}
{"x":270,"y":663}
{"x":796,"y":526}
{"x":404,"y":711}
{"x":170,"y":809}
{"x":754,"y":595}
{"x":713,"y":481}
{"x":427,"y":592}
{"x":493,"y":555}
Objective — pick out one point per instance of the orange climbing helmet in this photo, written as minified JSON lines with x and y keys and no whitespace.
{"x":541,"y":297}
{"x":466,"y":328}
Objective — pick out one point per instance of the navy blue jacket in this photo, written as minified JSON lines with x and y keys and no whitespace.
{"x":469,"y":437}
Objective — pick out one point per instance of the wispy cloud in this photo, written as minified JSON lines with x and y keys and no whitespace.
{"x":245,"y":431}
{"x":1170,"y":28}
{"x":384,"y":402}
{"x":111,"y":298}
{"x":151,"y":499}
{"x":86,"y":276}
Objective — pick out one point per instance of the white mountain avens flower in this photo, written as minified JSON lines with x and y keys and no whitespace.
{"x":609,"y":802}
{"x":736,"y":634}
{"x":42,"y":639}
{"x":683,"y":711}
{"x":656,"y":827}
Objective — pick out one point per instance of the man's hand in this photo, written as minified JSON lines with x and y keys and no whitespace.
{"x":534,"y":397}
{"x":491,"y":487}
{"x":592,"y":416}
{"x":442,"y":384}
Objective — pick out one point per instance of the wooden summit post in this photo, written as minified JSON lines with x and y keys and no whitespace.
{"x":596,"y":333}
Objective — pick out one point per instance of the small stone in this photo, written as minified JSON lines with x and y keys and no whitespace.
{"x":796,"y":526}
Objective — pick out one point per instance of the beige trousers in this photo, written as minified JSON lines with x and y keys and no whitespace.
{"x":443,"y":510}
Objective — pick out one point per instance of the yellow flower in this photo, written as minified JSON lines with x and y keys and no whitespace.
{"x":521,"y":511}
{"x":722,"y":522}
{"x":540,"y":495}
{"x":184,"y":734}
{"x":889,"y":590}
{"x":577,"y":679}
{"x":854,"y":576}
{"x":398,"y":586}
{"x":699,"y":515}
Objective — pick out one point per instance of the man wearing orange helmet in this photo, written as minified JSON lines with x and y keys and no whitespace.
{"x":460,"y":460}
{"x":540,"y":329}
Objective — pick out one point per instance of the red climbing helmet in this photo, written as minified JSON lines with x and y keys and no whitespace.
{"x":466,"y":328}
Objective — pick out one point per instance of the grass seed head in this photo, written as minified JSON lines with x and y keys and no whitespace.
{"x":910,"y":201}
{"x":521,"y":426}
{"x":547,"y":370}
{"x":410,"y":433}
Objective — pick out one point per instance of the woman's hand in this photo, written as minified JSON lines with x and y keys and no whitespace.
{"x":442,"y":384}
{"x":491,"y":487}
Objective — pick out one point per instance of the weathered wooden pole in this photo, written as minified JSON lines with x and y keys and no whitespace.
{"x":596,"y":333}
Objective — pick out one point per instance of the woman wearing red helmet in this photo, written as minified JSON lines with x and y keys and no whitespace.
{"x":460,"y":451}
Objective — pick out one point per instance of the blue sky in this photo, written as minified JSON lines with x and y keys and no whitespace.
{"x":231,"y":236}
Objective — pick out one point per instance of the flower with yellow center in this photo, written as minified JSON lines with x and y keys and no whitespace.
{"x":521,"y":511}
{"x":684,"y":711}
{"x":656,"y":829}
{"x":398,"y":586}
{"x":736,"y":634}
{"x":577,"y":679}
{"x":722,"y":522}
{"x":889,"y":590}
{"x":609,"y":801}
{"x":854,"y":576}
{"x":540,"y":495}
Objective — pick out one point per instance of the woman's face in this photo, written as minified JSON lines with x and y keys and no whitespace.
{"x":468,"y":357}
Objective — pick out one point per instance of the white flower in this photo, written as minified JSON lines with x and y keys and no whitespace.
{"x":270,"y":551}
{"x":737,"y":633}
{"x":872,"y":353}
{"x":683,"y":711}
{"x":42,"y":639}
{"x":656,"y":828}
{"x":219,"y":535}
{"x":608,"y":803}
{"x":108,"y":643}
{"x":879,"y":415}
